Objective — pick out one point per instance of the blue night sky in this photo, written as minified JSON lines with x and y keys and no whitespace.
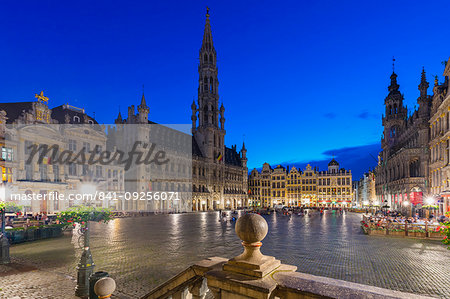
{"x":302,"y":80}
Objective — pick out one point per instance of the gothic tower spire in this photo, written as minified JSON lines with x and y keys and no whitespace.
{"x":208,"y":97}
{"x":423,"y":86}
{"x":209,"y":132}
{"x":143,"y":110}
{"x":394,"y":120}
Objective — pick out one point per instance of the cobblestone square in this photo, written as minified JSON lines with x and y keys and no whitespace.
{"x":140,"y":253}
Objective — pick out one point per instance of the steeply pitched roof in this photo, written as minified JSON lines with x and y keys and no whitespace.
{"x":15,"y":110}
{"x":59,"y":114}
{"x":232,"y":157}
{"x":195,"y":148}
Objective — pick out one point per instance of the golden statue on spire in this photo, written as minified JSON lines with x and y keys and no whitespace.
{"x":41,"y":97}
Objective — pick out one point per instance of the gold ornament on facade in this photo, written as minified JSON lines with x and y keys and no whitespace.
{"x":41,"y":97}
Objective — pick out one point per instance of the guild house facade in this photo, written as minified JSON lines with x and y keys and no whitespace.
{"x":293,"y":187}
{"x":38,"y":186}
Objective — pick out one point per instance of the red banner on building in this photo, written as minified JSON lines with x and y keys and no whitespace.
{"x":416,"y":198}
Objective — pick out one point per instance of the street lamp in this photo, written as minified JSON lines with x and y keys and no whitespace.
{"x":86,"y":265}
{"x":4,"y":243}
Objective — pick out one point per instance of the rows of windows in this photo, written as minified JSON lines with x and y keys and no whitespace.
{"x":321,"y":182}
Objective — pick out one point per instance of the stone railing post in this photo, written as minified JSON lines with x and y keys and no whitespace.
{"x":199,"y":289}
{"x":181,"y":294}
{"x":248,"y":274}
{"x":104,"y":287}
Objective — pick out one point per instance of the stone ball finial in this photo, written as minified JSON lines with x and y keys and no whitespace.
{"x":251,"y":228}
{"x":104,"y":287}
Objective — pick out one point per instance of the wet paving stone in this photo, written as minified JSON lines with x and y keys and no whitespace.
{"x":140,"y":253}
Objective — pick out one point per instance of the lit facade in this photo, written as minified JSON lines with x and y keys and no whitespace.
{"x":364,"y":192}
{"x":440,"y":145}
{"x":220,"y":174}
{"x":307,"y":188}
{"x":402,"y":171}
{"x":24,"y":124}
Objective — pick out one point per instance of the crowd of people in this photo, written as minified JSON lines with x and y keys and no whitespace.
{"x":382,"y":218}
{"x":25,"y":220}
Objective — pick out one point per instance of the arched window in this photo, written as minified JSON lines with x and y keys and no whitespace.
{"x":395,"y":108}
{"x":205,"y":59}
{"x":211,"y":58}
{"x":205,"y":83}
{"x":393,"y":132}
{"x":76,"y":119}
{"x":390,"y":109}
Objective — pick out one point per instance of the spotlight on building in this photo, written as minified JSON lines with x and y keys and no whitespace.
{"x":366,"y":202}
{"x":429,"y":200}
{"x":406,"y":203}
{"x":377,"y":203}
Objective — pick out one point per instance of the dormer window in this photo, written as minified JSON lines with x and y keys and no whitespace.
{"x":76,"y":119}
{"x":90,"y":122}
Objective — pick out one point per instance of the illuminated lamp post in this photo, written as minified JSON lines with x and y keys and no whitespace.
{"x":86,"y":265}
{"x":407,"y":204}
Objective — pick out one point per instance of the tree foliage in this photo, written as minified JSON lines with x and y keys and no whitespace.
{"x":82,"y":215}
{"x":10,"y":207}
{"x":445,"y":230}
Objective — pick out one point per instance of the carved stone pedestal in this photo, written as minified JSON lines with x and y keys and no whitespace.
{"x":248,"y":275}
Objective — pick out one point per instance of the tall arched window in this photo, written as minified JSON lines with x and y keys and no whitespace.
{"x":393,"y":132}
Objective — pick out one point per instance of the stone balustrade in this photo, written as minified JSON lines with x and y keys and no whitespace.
{"x":254,"y":275}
